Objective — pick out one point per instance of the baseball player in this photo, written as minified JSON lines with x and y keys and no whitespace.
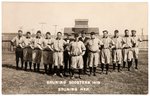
{"x":17,"y":42}
{"x":135,"y":41}
{"x":58,"y":47}
{"x":93,"y":45}
{"x":83,"y":38}
{"x":37,"y":52}
{"x":105,"y":52}
{"x":76,"y":51}
{"x":47,"y":53}
{"x":127,"y":50}
{"x":27,"y":51}
{"x":117,"y":50}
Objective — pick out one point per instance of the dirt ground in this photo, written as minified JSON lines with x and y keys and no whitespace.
{"x":26,"y":82}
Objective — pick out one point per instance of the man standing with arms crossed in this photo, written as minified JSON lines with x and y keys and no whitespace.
{"x":117,"y":50}
{"x":93,"y":45}
{"x":37,"y":52}
{"x":135,"y":41}
{"x":27,"y":51}
{"x":58,"y":47}
{"x":47,"y":53}
{"x":17,"y":42}
{"x":66,"y":56}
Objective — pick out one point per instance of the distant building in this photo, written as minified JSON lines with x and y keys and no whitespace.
{"x":80,"y":24}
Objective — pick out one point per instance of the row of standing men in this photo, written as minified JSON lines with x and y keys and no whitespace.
{"x":67,"y":54}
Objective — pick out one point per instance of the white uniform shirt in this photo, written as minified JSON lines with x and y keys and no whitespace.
{"x":58,"y":44}
{"x":47,"y":43}
{"x":136,"y":40}
{"x":18,"y":41}
{"x":107,"y":42}
{"x":27,"y":41}
{"x":38,"y":42}
{"x":76,"y":48}
{"x":94,"y":44}
{"x":127,"y":42}
{"x":118,"y":42}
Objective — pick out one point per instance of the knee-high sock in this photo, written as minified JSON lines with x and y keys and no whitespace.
{"x":45,"y":67}
{"x":124,"y":64}
{"x":94,"y":70}
{"x":118,"y":67}
{"x":102,"y":67}
{"x":50,"y":68}
{"x":107,"y":67}
{"x":38,"y":67}
{"x":30,"y":64}
{"x":114,"y":66}
{"x":17,"y":62}
{"x":61,"y":69}
{"x":21,"y":62}
{"x":136,"y":63}
{"x":72,"y":72}
{"x":34,"y":65}
{"x":26,"y":63}
{"x":55,"y":69}
{"x":129,"y":65}
{"x":90,"y":70}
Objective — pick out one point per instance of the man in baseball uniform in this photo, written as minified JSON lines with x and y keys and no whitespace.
{"x":83,"y":38}
{"x":135,"y":44}
{"x":76,"y":51}
{"x":127,"y":50}
{"x":27,"y":51}
{"x":117,"y":50}
{"x":106,"y":51}
{"x":58,"y":47}
{"x":37,"y":52}
{"x":17,"y":42}
{"x":93,"y":45}
{"x":47,"y":53}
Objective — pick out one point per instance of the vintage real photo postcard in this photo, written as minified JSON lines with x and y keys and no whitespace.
{"x":74,"y":48}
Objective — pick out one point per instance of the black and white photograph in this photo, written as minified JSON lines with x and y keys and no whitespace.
{"x":74,"y":48}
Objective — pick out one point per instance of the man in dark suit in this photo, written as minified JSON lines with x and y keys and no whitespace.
{"x":66,"y":56}
{"x":83,"y":38}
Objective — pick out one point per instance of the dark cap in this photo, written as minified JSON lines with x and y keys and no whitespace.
{"x":105,"y":31}
{"x":59,"y":33}
{"x":76,"y":35}
{"x":116,"y":31}
{"x":126,"y":30}
{"x":83,"y":32}
{"x":28,"y":32}
{"x":39,"y":31}
{"x":19,"y":30}
{"x":92,"y":33}
{"x":133,"y":30}
{"x":48,"y":33}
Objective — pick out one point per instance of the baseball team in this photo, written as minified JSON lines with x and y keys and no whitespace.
{"x":78,"y":54}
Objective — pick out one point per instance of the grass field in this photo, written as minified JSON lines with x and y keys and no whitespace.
{"x":25,"y":82}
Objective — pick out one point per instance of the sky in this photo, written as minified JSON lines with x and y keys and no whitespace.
{"x":106,"y":16}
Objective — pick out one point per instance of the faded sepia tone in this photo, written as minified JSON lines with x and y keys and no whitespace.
{"x":54,"y":17}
